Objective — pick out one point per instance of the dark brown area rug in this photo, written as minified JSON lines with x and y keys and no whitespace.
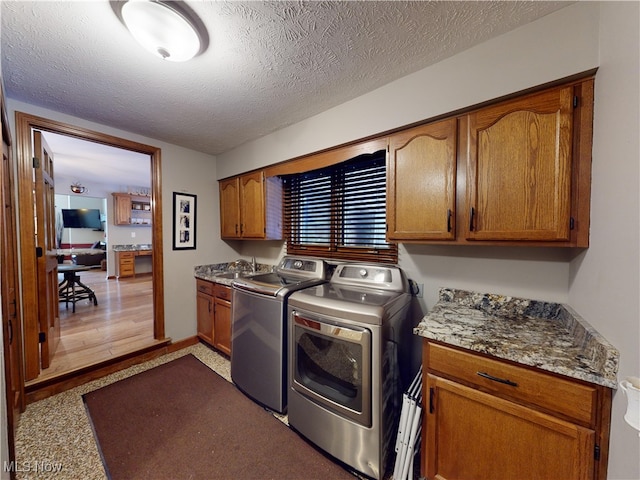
{"x":182,"y":420}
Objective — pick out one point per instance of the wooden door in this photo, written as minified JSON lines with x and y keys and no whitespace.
{"x":421,"y":176}
{"x":252,"y":205}
{"x":47,"y":258}
{"x":474,"y":435}
{"x":519,"y":168}
{"x":11,"y":328}
{"x":230,"y":208}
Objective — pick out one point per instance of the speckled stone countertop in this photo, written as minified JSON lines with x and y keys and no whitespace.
{"x":212,"y":271}
{"x":131,"y":247}
{"x":548,"y":336}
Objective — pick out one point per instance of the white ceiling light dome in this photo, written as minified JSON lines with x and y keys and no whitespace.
{"x":165,"y":28}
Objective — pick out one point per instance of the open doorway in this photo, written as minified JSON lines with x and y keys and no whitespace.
{"x":26,"y":125}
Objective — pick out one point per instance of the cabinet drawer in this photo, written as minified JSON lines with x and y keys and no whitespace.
{"x":126,"y":261}
{"x":223,"y":292}
{"x":561,"y":396}
{"x":126,"y":255}
{"x":126,"y":270}
{"x":205,"y":287}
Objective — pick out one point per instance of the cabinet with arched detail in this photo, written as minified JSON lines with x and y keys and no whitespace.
{"x":421,"y":183}
{"x":519,"y":168}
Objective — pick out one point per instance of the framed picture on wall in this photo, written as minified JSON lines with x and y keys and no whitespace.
{"x":184,"y":221}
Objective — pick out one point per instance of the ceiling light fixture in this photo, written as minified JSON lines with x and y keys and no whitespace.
{"x":168,"y":29}
{"x":78,"y":188}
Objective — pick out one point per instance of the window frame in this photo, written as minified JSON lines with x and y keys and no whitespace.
{"x":379,"y":251}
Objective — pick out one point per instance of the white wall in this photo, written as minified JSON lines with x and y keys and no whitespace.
{"x":113,"y":234}
{"x":80,"y":236}
{"x":602,"y":283}
{"x":183,"y":170}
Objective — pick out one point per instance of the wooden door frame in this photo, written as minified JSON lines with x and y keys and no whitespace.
{"x":25,"y":123}
{"x":14,"y":393}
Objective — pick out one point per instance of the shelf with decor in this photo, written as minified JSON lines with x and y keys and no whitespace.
{"x":131,"y":209}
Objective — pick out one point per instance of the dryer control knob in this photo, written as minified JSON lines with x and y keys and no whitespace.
{"x":363,"y":273}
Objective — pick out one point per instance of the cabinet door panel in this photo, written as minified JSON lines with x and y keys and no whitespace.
{"x":122,"y":211}
{"x":204,"y":313}
{"x":421,"y":183}
{"x":472,"y":435}
{"x":519,"y":167}
{"x":222,"y":326}
{"x":252,"y":205}
{"x":230,"y":208}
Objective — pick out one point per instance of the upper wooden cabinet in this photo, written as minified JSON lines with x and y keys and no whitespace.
{"x":519,"y":168}
{"x":230,"y":208}
{"x":516,"y":172}
{"x":251,"y":207}
{"x":421,"y":183}
{"x":131,"y":209}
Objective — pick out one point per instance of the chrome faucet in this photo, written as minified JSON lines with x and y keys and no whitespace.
{"x":254,"y":266}
{"x":240,"y":265}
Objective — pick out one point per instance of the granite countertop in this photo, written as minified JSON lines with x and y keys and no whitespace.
{"x":132,"y":247}
{"x":212,"y":271}
{"x":80,"y":251}
{"x":548,"y":336}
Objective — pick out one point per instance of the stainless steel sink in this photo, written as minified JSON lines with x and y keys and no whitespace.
{"x":233,"y":275}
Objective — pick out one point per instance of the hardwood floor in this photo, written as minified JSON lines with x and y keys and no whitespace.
{"x":122,"y":322}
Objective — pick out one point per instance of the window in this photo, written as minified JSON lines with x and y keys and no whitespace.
{"x":340,"y":211}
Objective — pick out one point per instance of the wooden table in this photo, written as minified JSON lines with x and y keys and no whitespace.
{"x":71,"y":289}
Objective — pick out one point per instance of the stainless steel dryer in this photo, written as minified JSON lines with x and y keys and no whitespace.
{"x":349,"y":343}
{"x":259,"y":328}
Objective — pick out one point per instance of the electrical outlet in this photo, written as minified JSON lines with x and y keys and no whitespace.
{"x":133,"y":234}
{"x":420,"y":290}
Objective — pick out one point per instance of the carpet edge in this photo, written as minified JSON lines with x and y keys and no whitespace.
{"x":95,"y":438}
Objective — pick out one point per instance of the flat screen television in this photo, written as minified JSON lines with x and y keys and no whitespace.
{"x":81,"y":218}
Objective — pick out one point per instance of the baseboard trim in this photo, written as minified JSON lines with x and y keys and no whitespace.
{"x":40,"y":390}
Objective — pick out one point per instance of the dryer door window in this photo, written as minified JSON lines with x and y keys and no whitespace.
{"x":332,"y":366}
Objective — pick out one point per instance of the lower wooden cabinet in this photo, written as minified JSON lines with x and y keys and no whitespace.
{"x":485,"y":418}
{"x":214,"y":314}
{"x":125,"y":264}
{"x":222,"y":319}
{"x":205,"y":310}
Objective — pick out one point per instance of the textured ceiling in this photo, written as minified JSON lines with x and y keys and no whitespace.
{"x":269,"y":64}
